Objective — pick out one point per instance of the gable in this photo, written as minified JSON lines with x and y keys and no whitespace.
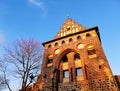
{"x":69,"y":27}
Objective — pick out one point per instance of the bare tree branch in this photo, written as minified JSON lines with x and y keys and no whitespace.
{"x":26,"y":57}
{"x":3,"y":69}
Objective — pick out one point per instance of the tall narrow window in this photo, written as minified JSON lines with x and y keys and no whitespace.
{"x":65,"y":74}
{"x":65,"y":59}
{"x":79,"y":74}
{"x":76,"y":56}
{"x":78,"y":71}
{"x":50,"y":60}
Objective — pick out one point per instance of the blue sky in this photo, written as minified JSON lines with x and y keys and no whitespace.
{"x":42,"y":19}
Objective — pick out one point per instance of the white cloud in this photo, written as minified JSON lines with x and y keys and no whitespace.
{"x":36,"y":3}
{"x":40,"y":5}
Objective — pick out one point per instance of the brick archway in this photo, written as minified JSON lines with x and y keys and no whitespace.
{"x":59,"y":57}
{"x":56,"y":70}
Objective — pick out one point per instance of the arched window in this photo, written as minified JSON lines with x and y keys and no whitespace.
{"x":65,"y":59}
{"x":65,"y":69}
{"x":76,"y":56}
{"x":78,"y":37}
{"x":70,"y":70}
{"x":68,"y":28}
{"x":63,"y":42}
{"x":56,"y":44}
{"x":88,"y":35}
{"x":70,"y":40}
{"x":49,"y":46}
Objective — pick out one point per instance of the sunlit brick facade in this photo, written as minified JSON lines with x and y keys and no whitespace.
{"x":75,"y":61}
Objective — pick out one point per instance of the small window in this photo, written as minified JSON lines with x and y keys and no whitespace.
{"x":65,"y":59}
{"x":45,"y":75}
{"x":78,"y":71}
{"x":68,"y":28}
{"x":65,"y":74}
{"x":76,"y":56}
{"x":100,"y":67}
{"x":91,"y":51}
{"x":49,"y":46}
{"x":78,"y":37}
{"x":88,"y":35}
{"x":56,"y":44}
{"x":70,"y":40}
{"x":63,"y":42}
{"x":50,"y":61}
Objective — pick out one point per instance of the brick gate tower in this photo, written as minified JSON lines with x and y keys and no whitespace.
{"x":75,"y":61}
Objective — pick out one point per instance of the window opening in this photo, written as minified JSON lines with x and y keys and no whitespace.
{"x":70,"y":40}
{"x":56,"y":44}
{"x":88,"y":35}
{"x":50,"y":61}
{"x":45,"y":75}
{"x":78,"y":71}
{"x":68,"y":28}
{"x":49,"y":46}
{"x":76,"y":56}
{"x":78,"y":37}
{"x":65,"y":74}
{"x":63,"y":42}
{"x":91,"y":51}
{"x":100,"y":66}
{"x":65,"y":59}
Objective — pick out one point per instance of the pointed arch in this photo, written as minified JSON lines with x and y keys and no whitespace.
{"x":76,"y":56}
{"x":60,"y":56}
{"x":66,"y":69}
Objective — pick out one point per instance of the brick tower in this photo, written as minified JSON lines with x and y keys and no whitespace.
{"x":75,"y":61}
